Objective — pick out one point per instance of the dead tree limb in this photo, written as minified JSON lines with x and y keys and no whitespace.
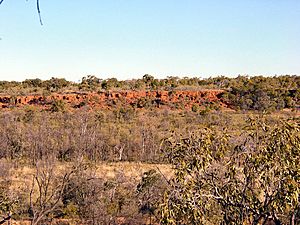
{"x":6,"y":218}
{"x":37,"y":8}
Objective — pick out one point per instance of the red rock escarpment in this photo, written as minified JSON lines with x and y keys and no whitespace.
{"x":110,"y":99}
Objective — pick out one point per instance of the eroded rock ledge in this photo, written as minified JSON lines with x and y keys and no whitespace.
{"x":110,"y":99}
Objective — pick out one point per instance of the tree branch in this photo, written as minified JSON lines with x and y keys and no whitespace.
{"x":37,"y":8}
{"x":39,"y":11}
{"x":9,"y":216}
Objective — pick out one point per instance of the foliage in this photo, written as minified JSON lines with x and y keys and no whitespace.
{"x":264,"y":93}
{"x":217,"y":182}
{"x":55,"y":84}
{"x":258,"y":93}
{"x":57,"y":106}
{"x":149,"y":192}
{"x":227,"y":169}
{"x":90,"y":83}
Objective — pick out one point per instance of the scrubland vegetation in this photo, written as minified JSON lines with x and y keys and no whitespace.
{"x":243,"y":93}
{"x":147,"y":165}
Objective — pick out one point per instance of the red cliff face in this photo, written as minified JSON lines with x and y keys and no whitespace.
{"x":110,"y":99}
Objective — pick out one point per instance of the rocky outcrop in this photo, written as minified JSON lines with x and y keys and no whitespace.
{"x":110,"y":99}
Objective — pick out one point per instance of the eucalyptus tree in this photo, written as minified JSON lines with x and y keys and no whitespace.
{"x":218,"y":181}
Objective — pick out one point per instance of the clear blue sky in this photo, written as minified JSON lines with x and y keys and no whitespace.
{"x":129,"y":38}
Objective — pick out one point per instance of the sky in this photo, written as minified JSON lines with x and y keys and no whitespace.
{"x":129,"y":38}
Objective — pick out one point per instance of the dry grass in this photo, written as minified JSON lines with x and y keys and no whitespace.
{"x":21,"y":176}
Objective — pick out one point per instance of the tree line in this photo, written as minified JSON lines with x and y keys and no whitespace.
{"x":242,"y":93}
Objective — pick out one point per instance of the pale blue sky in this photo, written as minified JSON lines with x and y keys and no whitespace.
{"x":129,"y":38}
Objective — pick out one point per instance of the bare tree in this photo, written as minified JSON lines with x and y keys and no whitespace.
{"x":47,"y":189}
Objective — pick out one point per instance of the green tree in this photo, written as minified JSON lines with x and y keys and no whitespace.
{"x":54,"y":84}
{"x":90,"y":83}
{"x":252,"y":182}
{"x":58,"y":106}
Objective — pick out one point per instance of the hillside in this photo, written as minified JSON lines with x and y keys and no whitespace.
{"x":110,"y":99}
{"x":245,"y":93}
